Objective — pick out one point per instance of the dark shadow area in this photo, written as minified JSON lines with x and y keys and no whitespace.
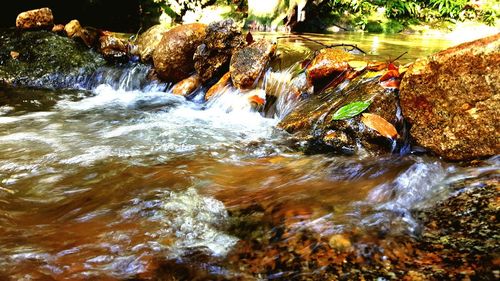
{"x":116,"y":15}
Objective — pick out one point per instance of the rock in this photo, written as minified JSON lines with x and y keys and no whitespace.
{"x":326,"y":65}
{"x":173,"y":57}
{"x":218,"y":87}
{"x":35,"y":19}
{"x":212,"y":57}
{"x":113,"y":48}
{"x":73,"y":28}
{"x":187,"y":86}
{"x":58,"y":28}
{"x":45,"y":60}
{"x":248,"y":64}
{"x":339,"y":243}
{"x":75,"y":31}
{"x":313,"y":128}
{"x":149,"y":40}
{"x":452,"y":100}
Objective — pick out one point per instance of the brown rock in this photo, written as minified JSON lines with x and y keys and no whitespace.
{"x":58,"y":28}
{"x":149,"y":40}
{"x":112,"y":48}
{"x":75,"y":31}
{"x":248,"y":64}
{"x":327,"y":64}
{"x":35,"y":19}
{"x":173,"y":57}
{"x":73,"y":28}
{"x":224,"y":82}
{"x":452,"y":100}
{"x":187,"y":86}
{"x":212,"y":57}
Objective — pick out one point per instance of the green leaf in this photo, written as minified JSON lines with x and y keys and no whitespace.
{"x":350,"y":110}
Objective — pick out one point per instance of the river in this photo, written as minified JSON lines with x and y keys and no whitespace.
{"x":118,"y":180}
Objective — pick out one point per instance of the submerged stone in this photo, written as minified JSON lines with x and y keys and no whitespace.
{"x":173,"y":57}
{"x":452,"y":100}
{"x":35,"y":19}
{"x":44,"y":59}
{"x":248,"y":64}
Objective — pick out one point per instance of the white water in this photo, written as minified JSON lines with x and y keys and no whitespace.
{"x":55,"y":157}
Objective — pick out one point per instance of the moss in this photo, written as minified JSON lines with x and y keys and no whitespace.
{"x":43,"y":56}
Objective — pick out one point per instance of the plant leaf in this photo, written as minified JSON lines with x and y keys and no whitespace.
{"x":379,"y":124}
{"x":350,"y":110}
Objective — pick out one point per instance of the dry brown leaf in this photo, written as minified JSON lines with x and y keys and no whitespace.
{"x":379,"y":124}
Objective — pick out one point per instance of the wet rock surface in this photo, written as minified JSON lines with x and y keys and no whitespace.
{"x":173,"y":57}
{"x":149,"y":40}
{"x":314,"y":128}
{"x":452,"y":100}
{"x":44,"y":59}
{"x":248,"y":64}
{"x":224,"y":81}
{"x":326,"y":65}
{"x":113,"y":48}
{"x":35,"y":19}
{"x":187,"y":86}
{"x":87,"y":36}
{"x":212,"y":56}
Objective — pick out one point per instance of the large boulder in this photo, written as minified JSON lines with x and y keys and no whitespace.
{"x":35,"y":19}
{"x":149,"y":40}
{"x":44,"y":59}
{"x":173,"y":57}
{"x":248,"y":64}
{"x":212,"y":56}
{"x":452,"y":100}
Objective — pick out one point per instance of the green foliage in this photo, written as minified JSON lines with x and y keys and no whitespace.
{"x":177,"y":8}
{"x":350,"y":110}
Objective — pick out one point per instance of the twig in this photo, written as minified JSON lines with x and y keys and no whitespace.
{"x":399,"y":56}
{"x":323,"y":44}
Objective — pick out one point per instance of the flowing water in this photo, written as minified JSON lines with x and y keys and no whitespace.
{"x":103,"y":183}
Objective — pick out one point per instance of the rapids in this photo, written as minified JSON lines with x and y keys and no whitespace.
{"x":103,"y":181}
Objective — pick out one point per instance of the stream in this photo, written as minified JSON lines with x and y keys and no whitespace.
{"x":117,"y":180}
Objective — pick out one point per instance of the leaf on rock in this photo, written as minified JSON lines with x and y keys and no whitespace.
{"x":390,"y":84}
{"x":389,"y":74}
{"x":358,"y":65}
{"x":249,"y":38}
{"x":379,"y":124}
{"x":350,"y":110}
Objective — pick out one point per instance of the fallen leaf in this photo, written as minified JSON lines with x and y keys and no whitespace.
{"x":350,"y":110}
{"x":14,"y":54}
{"x":379,"y":124}
{"x":257,"y":100}
{"x":376,"y":66}
{"x":249,"y":38}
{"x":358,"y":65}
{"x":390,"y":84}
{"x":392,"y":66}
{"x":389,"y":74}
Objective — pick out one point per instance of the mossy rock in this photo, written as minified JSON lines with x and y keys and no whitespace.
{"x":43,"y":59}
